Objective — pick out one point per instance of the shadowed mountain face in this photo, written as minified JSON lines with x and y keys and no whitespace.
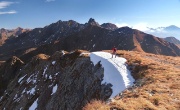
{"x":8,"y":71}
{"x":70,"y":35}
{"x":173,"y":40}
{"x":64,"y":81}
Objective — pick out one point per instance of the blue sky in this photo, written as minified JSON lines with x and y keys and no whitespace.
{"x":133,"y":13}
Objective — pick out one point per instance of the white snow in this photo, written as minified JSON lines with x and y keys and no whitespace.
{"x":15,"y":97}
{"x":46,"y":76}
{"x":84,"y":53}
{"x":45,"y":70}
{"x":32,"y":91}
{"x":63,"y":52}
{"x":53,"y":62}
{"x":32,"y":78}
{"x":34,"y":105}
{"x":56,"y":73}
{"x":29,"y":79}
{"x":115,"y":71}
{"x":23,"y":91}
{"x":50,"y":77}
{"x":20,"y":79}
{"x":54,"y":89}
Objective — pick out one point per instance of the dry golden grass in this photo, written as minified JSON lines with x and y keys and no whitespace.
{"x":42,"y":56}
{"x":158,"y":83}
{"x":96,"y":105}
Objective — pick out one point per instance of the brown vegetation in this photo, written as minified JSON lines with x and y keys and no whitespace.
{"x":157,"y":85}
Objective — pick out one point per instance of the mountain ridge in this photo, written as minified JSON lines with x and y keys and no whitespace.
{"x":68,"y":35}
{"x":61,"y":81}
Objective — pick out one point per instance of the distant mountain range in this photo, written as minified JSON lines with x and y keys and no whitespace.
{"x":165,"y":31}
{"x":6,"y":33}
{"x":71,"y":35}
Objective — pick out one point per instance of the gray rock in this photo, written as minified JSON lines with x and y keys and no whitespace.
{"x":68,"y":84}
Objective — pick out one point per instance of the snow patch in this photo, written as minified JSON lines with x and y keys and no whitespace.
{"x":34,"y":105}
{"x":115,"y":71}
{"x":32,"y":91}
{"x":29,"y":79}
{"x":23,"y":91}
{"x":53,"y":62}
{"x":50,"y":77}
{"x":45,"y":70}
{"x":63,"y":52}
{"x":15,"y":97}
{"x":56,"y":73}
{"x":84,"y":54}
{"x":20,"y":79}
{"x":54,"y":89}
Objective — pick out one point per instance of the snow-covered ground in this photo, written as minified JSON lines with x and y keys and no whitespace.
{"x":115,"y":71}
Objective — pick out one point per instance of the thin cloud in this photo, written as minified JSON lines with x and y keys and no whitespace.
{"x":121,"y":24}
{"x":50,"y":0}
{"x":141,"y":26}
{"x":5,"y":4}
{"x":8,"y":12}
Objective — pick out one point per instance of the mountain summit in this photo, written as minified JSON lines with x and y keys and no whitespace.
{"x":93,"y":22}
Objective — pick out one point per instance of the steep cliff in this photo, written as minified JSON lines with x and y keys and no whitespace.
{"x":64,"y":81}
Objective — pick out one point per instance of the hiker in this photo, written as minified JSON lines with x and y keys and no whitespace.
{"x":114,"y":51}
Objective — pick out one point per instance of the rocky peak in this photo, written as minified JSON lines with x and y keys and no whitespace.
{"x":109,"y":26}
{"x":93,"y":22}
{"x":64,"y":81}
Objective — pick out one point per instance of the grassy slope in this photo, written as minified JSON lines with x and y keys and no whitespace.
{"x":157,"y":86}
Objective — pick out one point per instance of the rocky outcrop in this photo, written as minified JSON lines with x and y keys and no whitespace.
{"x":8,"y":71}
{"x":92,"y":22}
{"x":64,"y":81}
{"x":109,"y":26}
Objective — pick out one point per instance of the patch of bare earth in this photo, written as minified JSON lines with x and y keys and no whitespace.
{"x":157,"y":85}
